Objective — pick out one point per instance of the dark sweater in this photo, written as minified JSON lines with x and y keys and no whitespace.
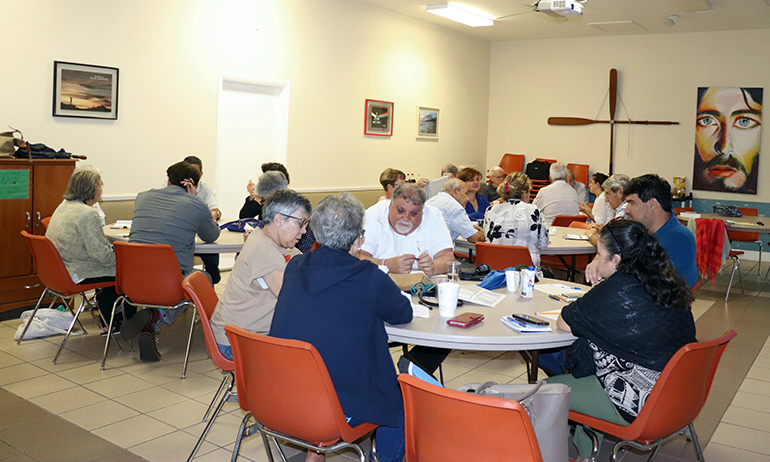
{"x":339,"y":304}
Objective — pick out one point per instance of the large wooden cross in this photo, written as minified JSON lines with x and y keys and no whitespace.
{"x":613,"y":101}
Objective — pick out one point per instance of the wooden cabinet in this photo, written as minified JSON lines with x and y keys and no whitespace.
{"x":29,"y":191}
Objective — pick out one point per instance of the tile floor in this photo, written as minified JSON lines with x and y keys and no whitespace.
{"x":136,"y":411}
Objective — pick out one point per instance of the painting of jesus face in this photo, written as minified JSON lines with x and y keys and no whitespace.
{"x":728,"y":130}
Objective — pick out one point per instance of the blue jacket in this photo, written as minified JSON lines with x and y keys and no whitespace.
{"x":474,"y":214}
{"x":339,"y":304}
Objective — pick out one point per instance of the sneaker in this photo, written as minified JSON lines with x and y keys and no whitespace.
{"x":148,"y":349}
{"x":131,"y":328}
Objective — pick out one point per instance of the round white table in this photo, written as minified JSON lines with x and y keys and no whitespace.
{"x":228,"y":242}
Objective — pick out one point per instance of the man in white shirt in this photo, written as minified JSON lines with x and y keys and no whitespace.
{"x":580,"y":188}
{"x":451,"y":202}
{"x":558,"y":198}
{"x":209,"y":197}
{"x":408,"y":235}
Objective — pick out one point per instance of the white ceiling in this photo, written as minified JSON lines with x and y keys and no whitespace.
{"x":648,"y":14}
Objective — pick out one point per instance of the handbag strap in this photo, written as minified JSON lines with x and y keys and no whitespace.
{"x":530,"y":393}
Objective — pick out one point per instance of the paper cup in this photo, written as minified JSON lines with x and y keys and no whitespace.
{"x":448,"y":293}
{"x":512,"y":280}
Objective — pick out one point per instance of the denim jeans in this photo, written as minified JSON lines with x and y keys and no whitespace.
{"x":226,"y":350}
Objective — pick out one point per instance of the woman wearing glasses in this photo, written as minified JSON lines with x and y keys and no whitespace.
{"x":257,"y":276}
{"x":339,"y":304}
{"x":628,"y":326}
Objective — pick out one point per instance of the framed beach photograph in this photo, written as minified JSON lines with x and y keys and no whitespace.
{"x":83,"y":90}
{"x":379,"y":118}
{"x":427,"y":122}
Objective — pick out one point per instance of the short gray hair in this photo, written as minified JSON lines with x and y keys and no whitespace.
{"x":410,"y":192}
{"x":453,"y":184}
{"x":617,"y":181}
{"x":270,"y":182}
{"x":337,"y":221}
{"x":449,"y":168}
{"x":83,"y":183}
{"x":558,"y":171}
{"x":284,"y":202}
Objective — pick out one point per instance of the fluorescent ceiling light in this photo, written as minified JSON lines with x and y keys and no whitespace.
{"x":462,"y":14}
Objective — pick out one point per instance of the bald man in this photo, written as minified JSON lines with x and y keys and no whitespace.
{"x":496,"y":177}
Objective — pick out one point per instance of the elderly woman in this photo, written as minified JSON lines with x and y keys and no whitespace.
{"x":339,"y":304}
{"x":257,"y":276}
{"x":600,"y":211}
{"x":614,"y":194}
{"x":514,"y":221}
{"x":628,"y":326}
{"x":477,"y":204}
{"x":77,"y":232}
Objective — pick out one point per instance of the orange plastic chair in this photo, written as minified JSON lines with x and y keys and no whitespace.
{"x":675,"y":401}
{"x":285,"y":386}
{"x":512,"y":163}
{"x":579,"y":224}
{"x":746,"y":236}
{"x":580,"y":171}
{"x":537,"y":185}
{"x":58,"y":282}
{"x":148,"y":275}
{"x":566,"y":220}
{"x":197,"y":288}
{"x":45,"y":222}
{"x":500,"y":257}
{"x":550,"y":161}
{"x":492,"y":428}
{"x":678,"y":210}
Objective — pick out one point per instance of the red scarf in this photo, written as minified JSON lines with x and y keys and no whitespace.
{"x":710,"y":238}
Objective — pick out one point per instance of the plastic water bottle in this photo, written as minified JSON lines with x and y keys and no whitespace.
{"x":527,"y":282}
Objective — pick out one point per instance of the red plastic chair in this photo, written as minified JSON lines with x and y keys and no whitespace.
{"x":512,"y":163}
{"x":148,"y":275}
{"x":675,"y":401}
{"x":567,"y":220}
{"x":580,"y":171}
{"x":746,"y":236}
{"x":492,"y":429}
{"x":45,"y":222}
{"x":579,"y":224}
{"x":500,"y":257}
{"x":197,"y":288}
{"x":678,"y":210}
{"x":285,"y":386}
{"x":58,"y":282}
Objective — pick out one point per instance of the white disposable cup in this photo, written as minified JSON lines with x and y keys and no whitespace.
{"x":512,"y":280}
{"x":448,"y":292}
{"x":453,"y":270}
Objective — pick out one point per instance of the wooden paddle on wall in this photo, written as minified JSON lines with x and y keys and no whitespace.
{"x":613,"y":102}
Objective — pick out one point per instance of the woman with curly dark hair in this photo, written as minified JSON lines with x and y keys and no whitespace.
{"x":628,"y":327}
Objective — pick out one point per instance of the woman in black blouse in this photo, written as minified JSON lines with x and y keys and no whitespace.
{"x":628,"y":327}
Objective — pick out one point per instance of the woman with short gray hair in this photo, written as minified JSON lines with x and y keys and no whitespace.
{"x":339,"y":304}
{"x":614,"y":194}
{"x":77,"y":232}
{"x":257,"y":275}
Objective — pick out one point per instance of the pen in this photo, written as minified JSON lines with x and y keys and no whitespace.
{"x":561,"y":286}
{"x":425,"y":304}
{"x":558,"y":297}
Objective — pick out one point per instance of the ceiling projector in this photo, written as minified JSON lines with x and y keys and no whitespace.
{"x":560,"y":7}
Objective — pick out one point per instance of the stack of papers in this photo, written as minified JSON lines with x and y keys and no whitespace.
{"x":479,"y":295}
{"x":523,"y":328}
{"x":121,"y":224}
{"x":575,"y":237}
{"x":689,"y":215}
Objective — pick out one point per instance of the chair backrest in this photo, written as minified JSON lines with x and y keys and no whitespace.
{"x":500,"y":257}
{"x":286,"y":386}
{"x":49,"y":265}
{"x":492,"y":428}
{"x":512,"y":163}
{"x":537,"y":185}
{"x":744,"y":236}
{"x":45,"y":222}
{"x":580,"y":171}
{"x":678,"y":210}
{"x":682,"y":388}
{"x":566,"y":220}
{"x":550,"y":161}
{"x":197,"y":288}
{"x":148,"y":274}
{"x":579,"y":224}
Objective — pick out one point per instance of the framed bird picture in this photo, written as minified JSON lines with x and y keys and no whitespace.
{"x":379,"y":118}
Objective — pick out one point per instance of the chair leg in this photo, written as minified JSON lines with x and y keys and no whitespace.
{"x":214,"y":416}
{"x":594,"y":443}
{"x":216,"y":395}
{"x":189,"y":341}
{"x":109,"y":329}
{"x":75,"y":315}
{"x":736,"y":265}
{"x":243,"y":431}
{"x":759,"y":266}
{"x":694,"y":437}
{"x":34,"y":312}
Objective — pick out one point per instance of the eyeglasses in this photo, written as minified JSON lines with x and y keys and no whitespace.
{"x":362,"y":238}
{"x":609,"y":228}
{"x":303,"y":221}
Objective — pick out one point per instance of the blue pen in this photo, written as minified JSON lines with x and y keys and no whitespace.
{"x":568,"y":287}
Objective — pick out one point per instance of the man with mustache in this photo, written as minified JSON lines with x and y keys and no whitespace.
{"x":408,"y":235}
{"x":728,"y":130}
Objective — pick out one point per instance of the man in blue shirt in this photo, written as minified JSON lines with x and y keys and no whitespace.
{"x":649,"y":202}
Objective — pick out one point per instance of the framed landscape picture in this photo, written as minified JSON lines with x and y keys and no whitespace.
{"x":379,"y":118}
{"x":427,"y":122}
{"x":82,"y":90}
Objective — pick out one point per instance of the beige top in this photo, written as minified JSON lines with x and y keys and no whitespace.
{"x":247,"y":301}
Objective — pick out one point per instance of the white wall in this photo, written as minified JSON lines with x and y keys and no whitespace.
{"x":335,"y":54}
{"x":658,"y":79}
